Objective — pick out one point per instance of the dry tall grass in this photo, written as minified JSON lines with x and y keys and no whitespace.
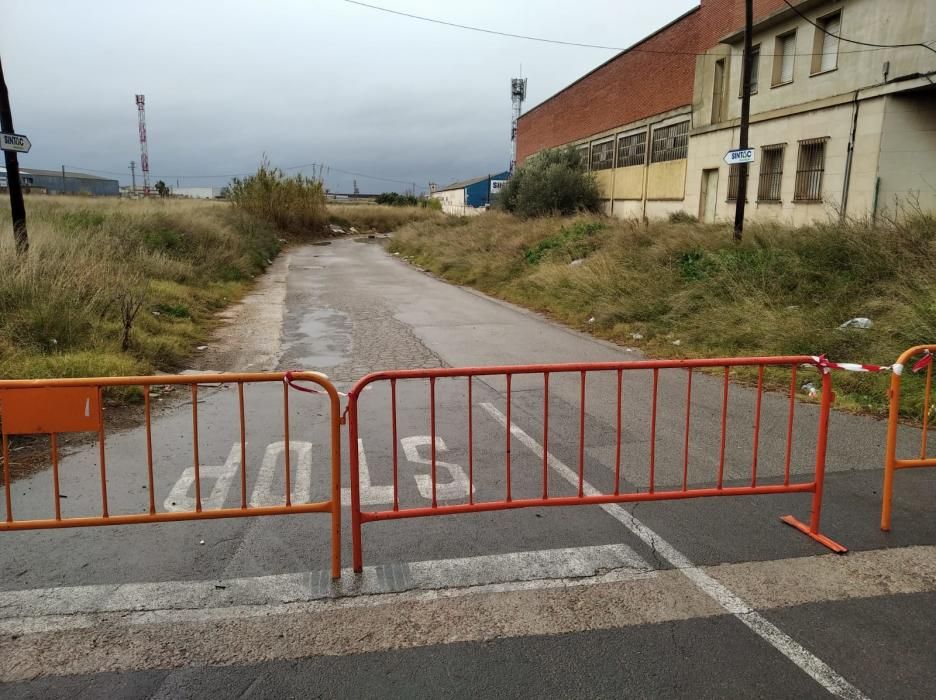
{"x":65,"y":308}
{"x":782,"y":291}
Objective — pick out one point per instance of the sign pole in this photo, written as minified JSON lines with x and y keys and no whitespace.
{"x":17,"y":207}
{"x":745,"y":118}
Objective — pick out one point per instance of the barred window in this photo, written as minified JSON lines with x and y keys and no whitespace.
{"x":632,"y":150}
{"x":771,"y":173}
{"x":583,"y":154}
{"x":602,"y":155}
{"x":670,"y":143}
{"x":734,"y":178}
{"x":810,"y":166}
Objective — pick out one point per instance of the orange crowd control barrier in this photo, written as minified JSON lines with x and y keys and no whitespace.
{"x":55,"y":406}
{"x":891,"y":463}
{"x":614,"y":372}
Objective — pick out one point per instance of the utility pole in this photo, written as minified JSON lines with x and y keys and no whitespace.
{"x":17,"y":207}
{"x":133,"y":178}
{"x":63,"y":179}
{"x":745,"y":118}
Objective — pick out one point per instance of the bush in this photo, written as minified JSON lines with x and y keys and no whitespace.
{"x":291,"y":204}
{"x":395,"y":199}
{"x":549,"y":183}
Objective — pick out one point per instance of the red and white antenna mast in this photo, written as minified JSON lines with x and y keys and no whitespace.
{"x":144,"y":152}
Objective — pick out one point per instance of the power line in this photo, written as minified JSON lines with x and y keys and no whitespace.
{"x":822,"y":29}
{"x":631,"y":49}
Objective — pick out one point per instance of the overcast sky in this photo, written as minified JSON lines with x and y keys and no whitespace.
{"x":304,"y":81}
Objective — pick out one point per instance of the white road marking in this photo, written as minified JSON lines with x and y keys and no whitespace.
{"x":820,"y":671}
{"x":456,"y":488}
{"x":302,"y":483}
{"x":370,"y":495}
{"x":76,"y":607}
{"x":179,"y":498}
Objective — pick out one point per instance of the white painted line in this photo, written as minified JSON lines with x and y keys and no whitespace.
{"x":549,"y":568}
{"x":817,"y":669}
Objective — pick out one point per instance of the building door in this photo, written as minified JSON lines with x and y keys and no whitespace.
{"x":709,"y":195}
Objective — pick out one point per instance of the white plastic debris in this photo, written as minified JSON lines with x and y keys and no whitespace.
{"x":859,"y":322}
{"x":336,"y":229}
{"x":810,"y":390}
{"x":677,"y":342}
{"x":636,"y":336}
{"x":591,"y":320}
{"x":353,"y":230}
{"x":577,"y":263}
{"x":201,"y":541}
{"x":202,"y":347}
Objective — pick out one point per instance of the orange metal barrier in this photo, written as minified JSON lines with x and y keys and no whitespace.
{"x":55,"y":406}
{"x":891,"y":463}
{"x":756,"y":486}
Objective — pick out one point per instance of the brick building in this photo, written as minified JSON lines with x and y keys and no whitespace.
{"x":830,"y":119}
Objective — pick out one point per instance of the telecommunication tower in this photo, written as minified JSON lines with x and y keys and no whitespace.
{"x":144,"y":152}
{"x":517,"y":95}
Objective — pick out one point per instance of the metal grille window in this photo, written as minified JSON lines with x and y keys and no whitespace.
{"x":734,"y":179}
{"x":583,"y":154}
{"x":810,"y":165}
{"x":632,"y":150}
{"x":771,"y":173}
{"x":670,"y":143}
{"x":602,"y":155}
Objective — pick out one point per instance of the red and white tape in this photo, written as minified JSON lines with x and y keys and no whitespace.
{"x":827,"y":365}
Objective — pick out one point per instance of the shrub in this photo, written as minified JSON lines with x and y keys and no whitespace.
{"x":291,"y":204}
{"x":395,"y":199}
{"x":551,"y":182}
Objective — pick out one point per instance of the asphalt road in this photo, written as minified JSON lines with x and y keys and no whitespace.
{"x":704,"y":597}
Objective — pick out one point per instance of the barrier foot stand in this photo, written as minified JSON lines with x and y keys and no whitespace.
{"x":820,"y":538}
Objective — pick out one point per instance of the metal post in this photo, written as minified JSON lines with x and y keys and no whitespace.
{"x":17,"y":207}
{"x":63,"y":179}
{"x":745,"y":118}
{"x":133,"y":178}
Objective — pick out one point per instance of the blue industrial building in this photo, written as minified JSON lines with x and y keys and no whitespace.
{"x":475,"y":193}
{"x":58,"y":182}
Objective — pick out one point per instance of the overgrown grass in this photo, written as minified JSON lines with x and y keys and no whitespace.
{"x":292,"y":204}
{"x":64,"y":307}
{"x":380,"y":218}
{"x":685,"y":289}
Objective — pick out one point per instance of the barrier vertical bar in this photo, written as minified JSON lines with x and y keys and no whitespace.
{"x":198,"y":504}
{"x":147,"y":417}
{"x":6,"y":478}
{"x":581,"y":465}
{"x":926,"y":409}
{"x":685,"y":470}
{"x":653,"y":421}
{"x":335,"y":406}
{"x":101,"y":451}
{"x":55,"y":476}
{"x":757,"y":419}
{"x":789,"y":444}
{"x":432,"y":427}
{"x":243,"y":444}
{"x":724,"y":433}
{"x":287,"y":453}
{"x":393,"y":431}
{"x":617,"y":455}
{"x":821,"y":442}
{"x":890,"y":451}
{"x":357,"y":554}
{"x":470,"y":445}
{"x":507,"y":452}
{"x":545,"y":434}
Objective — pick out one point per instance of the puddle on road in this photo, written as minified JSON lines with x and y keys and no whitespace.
{"x":322,"y":336}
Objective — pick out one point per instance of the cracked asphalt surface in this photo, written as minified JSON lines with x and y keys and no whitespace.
{"x":150,"y":611}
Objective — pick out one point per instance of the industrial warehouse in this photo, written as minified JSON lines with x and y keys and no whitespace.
{"x":839,"y":128}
